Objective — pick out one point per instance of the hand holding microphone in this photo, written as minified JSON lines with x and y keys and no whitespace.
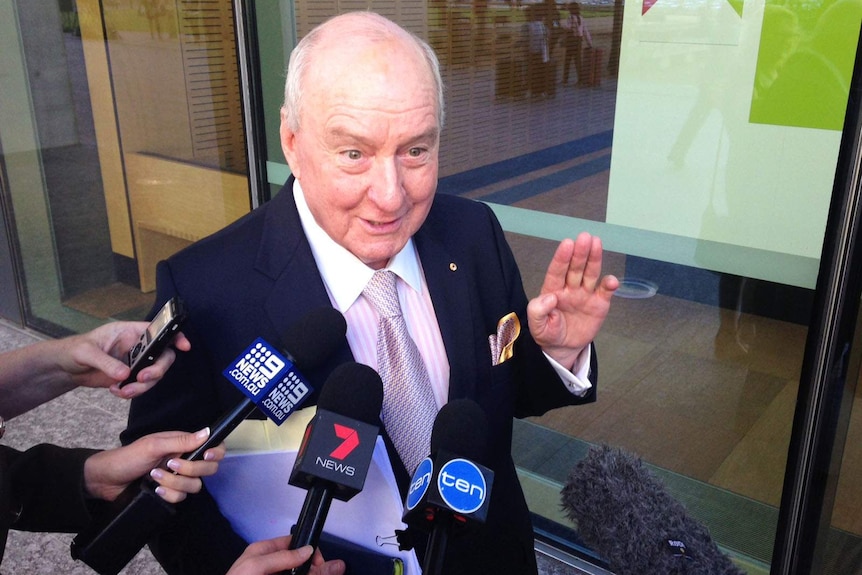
{"x":274,"y":555}
{"x":337,"y":448}
{"x":108,"y":473}
{"x":268,"y":379}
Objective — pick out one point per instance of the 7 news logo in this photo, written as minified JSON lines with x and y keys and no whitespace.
{"x":350,"y":441}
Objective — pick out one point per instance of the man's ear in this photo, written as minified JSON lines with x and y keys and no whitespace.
{"x":288,"y":145}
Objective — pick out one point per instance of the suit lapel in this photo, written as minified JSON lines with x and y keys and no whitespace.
{"x":285,"y":256}
{"x":449,"y":286}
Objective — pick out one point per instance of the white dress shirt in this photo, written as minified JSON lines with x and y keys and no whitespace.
{"x":345,"y":276}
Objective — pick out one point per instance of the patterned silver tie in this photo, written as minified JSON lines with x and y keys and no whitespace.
{"x":409,"y":407}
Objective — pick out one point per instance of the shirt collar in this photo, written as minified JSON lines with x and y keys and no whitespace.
{"x":344,"y":275}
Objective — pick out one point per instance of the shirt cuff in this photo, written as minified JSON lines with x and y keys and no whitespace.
{"x":577,"y":381}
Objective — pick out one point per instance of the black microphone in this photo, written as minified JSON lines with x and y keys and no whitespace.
{"x":270,"y":381}
{"x":450,"y":491}
{"x":308,"y":344}
{"x":624,"y":514}
{"x":337,"y":448}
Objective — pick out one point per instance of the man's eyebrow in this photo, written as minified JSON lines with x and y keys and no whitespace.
{"x":430,"y":134}
{"x":344,"y":132}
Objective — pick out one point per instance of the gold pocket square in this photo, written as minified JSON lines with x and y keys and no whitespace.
{"x":508,"y":330}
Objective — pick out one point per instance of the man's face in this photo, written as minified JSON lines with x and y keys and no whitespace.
{"x":366,"y":152}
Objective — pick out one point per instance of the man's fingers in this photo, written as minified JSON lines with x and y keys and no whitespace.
{"x":609,"y":284}
{"x":592,"y":270}
{"x":558,"y":269}
{"x":578,"y":260}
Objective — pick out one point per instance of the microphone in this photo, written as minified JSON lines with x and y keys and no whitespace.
{"x":336,"y":450}
{"x":270,"y":381}
{"x":450,"y":491}
{"x":625,"y":515}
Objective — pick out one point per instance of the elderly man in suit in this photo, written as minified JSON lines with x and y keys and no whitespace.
{"x":360,"y":130}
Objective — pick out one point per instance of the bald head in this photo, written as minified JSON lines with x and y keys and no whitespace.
{"x":341,"y":44}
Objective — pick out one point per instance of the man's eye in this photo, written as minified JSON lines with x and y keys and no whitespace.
{"x":354,"y":154}
{"x":415,"y":152}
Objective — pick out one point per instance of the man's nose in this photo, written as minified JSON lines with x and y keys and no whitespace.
{"x":386,"y":184}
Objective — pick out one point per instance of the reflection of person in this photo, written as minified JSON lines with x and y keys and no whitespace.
{"x":539,"y":65}
{"x":361,"y":130}
{"x":575,"y":32}
{"x":49,"y":488}
{"x":154,"y":10}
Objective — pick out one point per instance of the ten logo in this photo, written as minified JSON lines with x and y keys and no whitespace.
{"x":419,"y":483}
{"x":462,"y":486}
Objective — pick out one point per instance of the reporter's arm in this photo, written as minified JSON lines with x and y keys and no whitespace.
{"x":37,"y":373}
{"x":53,"y":488}
{"x":45,"y":488}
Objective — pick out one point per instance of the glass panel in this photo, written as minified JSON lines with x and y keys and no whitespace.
{"x":123,"y":142}
{"x":685,"y":141}
{"x":842,"y":549}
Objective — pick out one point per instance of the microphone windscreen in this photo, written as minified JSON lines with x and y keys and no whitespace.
{"x":625,"y":515}
{"x":315,"y":337}
{"x":353,"y":390}
{"x":461,"y":428}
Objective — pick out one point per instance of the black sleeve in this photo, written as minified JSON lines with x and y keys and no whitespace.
{"x":46,"y":488}
{"x":540,"y":388}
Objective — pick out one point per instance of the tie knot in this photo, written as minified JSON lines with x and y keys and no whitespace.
{"x":382,"y":293}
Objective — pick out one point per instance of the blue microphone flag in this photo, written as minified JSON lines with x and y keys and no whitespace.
{"x":269,"y":379}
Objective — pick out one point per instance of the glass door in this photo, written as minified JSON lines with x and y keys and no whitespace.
{"x":691,"y":148}
{"x":122,"y":133}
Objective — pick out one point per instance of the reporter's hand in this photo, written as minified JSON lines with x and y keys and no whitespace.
{"x":37,"y":373}
{"x":272,"y":556}
{"x":108,"y":473}
{"x":98,"y":358}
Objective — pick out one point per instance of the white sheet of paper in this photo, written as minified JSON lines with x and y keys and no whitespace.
{"x":252,"y":492}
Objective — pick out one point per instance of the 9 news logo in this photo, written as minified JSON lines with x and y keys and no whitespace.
{"x":256,"y":368}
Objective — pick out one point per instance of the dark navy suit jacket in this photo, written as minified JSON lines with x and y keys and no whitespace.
{"x":257,"y":277}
